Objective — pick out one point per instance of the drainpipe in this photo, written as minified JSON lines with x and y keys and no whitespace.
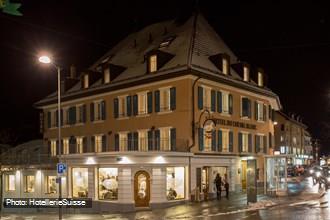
{"x":192,"y":130}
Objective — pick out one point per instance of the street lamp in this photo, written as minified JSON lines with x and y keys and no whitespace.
{"x":46,"y":60}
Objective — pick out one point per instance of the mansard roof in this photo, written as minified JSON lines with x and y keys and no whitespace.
{"x":193,"y":42}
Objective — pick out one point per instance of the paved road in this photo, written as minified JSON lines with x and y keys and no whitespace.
{"x":309,"y":205}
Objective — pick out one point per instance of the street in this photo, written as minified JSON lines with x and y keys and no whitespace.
{"x":306,"y":202}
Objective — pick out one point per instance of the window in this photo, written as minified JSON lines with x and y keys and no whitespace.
{"x":53,"y":116}
{"x":225,"y":102}
{"x":282,"y":138}
{"x":259,"y":111}
{"x":29,"y":184}
{"x":207,"y":141}
{"x":165,"y":140}
{"x":98,"y":143}
{"x":53,"y":148}
{"x":81,"y":111}
{"x":10,"y":182}
{"x":142,"y":103}
{"x":245,"y":142}
{"x":107,"y":75}
{"x":80,"y":182}
{"x":260,"y":143}
{"x":143,"y":140}
{"x":108,"y":183}
{"x":66,"y":146}
{"x":245,"y":107}
{"x":99,"y":110}
{"x":246,"y":73}
{"x":80,"y":145}
{"x":260,"y":79}
{"x":175,"y":183}
{"x":225,"y":141}
{"x":123,"y":142}
{"x":165,"y":99}
{"x":207,"y":98}
{"x":51,"y":184}
{"x":294,"y":140}
{"x":86,"y":81}
{"x":122,"y":106}
{"x":225,"y":66}
{"x":153,"y":63}
{"x":65,"y":115}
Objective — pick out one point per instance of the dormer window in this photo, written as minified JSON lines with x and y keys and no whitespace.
{"x":225,"y":66}
{"x":153,"y":63}
{"x":86,"y":81}
{"x":260,"y":79}
{"x":246,"y":73}
{"x":107,"y":75}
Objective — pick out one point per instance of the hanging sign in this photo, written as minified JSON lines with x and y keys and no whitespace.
{"x":10,"y":8}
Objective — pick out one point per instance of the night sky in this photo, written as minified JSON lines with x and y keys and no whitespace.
{"x":291,"y":42}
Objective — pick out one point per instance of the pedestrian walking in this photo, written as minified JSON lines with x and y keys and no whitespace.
{"x":218,"y":183}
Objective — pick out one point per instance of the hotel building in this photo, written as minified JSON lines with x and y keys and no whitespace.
{"x":155,"y":119}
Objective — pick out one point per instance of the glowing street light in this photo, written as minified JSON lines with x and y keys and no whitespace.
{"x":44,"y":59}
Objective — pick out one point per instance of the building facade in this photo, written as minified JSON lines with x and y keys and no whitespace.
{"x":292,"y":137}
{"x":155,"y":119}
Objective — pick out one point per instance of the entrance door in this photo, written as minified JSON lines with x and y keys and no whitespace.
{"x":142,"y":189}
{"x":244,"y":174}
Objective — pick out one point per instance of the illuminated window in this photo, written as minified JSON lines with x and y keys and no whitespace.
{"x":53,"y":148}
{"x":51,"y":184}
{"x":29,"y":184}
{"x":246,"y":74}
{"x":123,"y":141}
{"x":245,"y":142}
{"x":260,"y":111}
{"x":165,"y":98}
{"x":80,"y":182}
{"x":86,"y":81}
{"x":80,"y":145}
{"x":175,"y":183}
{"x":143,"y":140}
{"x":107,"y":75}
{"x":294,"y":140}
{"x":98,"y":143}
{"x":66,"y":146}
{"x":207,"y":98}
{"x":260,"y":79}
{"x":165,"y":144}
{"x":153,"y":63}
{"x":108,"y":183}
{"x":225,"y":141}
{"x":282,"y":138}
{"x":99,"y":110}
{"x":122,"y":106}
{"x":10,"y":182}
{"x":225,"y":66}
{"x":225,"y":102}
{"x":207,"y":140}
{"x":142,"y":103}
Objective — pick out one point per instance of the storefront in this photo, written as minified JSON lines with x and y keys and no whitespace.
{"x":276,"y":174}
{"x":128,"y":181}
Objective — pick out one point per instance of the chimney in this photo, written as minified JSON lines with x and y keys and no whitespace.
{"x":73,"y":71}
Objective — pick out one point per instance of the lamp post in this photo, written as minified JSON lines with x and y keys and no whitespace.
{"x":47,"y":60}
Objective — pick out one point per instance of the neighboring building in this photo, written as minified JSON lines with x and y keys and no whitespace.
{"x":316,"y":144}
{"x":292,"y":137}
{"x":27,"y":171}
{"x":133,"y":133}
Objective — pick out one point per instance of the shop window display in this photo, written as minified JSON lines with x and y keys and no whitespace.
{"x":175,"y":183}
{"x":80,"y":182}
{"x":29,"y":183}
{"x":108,"y":183}
{"x":51,"y":184}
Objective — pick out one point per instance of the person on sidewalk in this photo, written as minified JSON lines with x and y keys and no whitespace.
{"x":227,"y":188}
{"x":218,"y":183}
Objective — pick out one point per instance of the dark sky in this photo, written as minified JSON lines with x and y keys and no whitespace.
{"x":290,"y":41}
